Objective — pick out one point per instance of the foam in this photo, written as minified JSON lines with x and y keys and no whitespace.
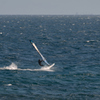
{"x":8,"y":84}
{"x":13,"y":66}
{"x":46,"y":68}
{"x":0,"y":32}
{"x":10,"y":67}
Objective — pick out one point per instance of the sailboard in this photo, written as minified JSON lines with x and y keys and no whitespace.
{"x":41,"y":54}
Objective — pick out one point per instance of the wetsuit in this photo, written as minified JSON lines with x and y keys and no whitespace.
{"x":39,"y":61}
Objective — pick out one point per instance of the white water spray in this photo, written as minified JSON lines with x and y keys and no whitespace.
{"x":13,"y":66}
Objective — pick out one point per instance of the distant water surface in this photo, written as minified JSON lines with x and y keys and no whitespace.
{"x":71,"y":42}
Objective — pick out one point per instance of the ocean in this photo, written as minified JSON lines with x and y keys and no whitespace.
{"x":71,"y":42}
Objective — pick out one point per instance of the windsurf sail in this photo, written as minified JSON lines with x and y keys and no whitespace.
{"x":39,"y":52}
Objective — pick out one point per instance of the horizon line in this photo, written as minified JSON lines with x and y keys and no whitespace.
{"x":52,"y":14}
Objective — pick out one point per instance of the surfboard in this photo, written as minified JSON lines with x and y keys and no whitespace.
{"x":33,"y":44}
{"x":51,"y":66}
{"x":45,"y":68}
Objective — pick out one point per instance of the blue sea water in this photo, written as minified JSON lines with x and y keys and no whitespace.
{"x":71,"y":42}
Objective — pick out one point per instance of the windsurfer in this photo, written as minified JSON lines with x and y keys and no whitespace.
{"x":40,"y":61}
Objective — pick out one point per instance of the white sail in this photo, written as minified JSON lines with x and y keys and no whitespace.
{"x":40,"y":53}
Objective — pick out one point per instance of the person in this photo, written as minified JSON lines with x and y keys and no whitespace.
{"x":40,"y":61}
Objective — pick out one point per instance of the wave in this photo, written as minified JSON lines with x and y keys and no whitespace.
{"x":13,"y":66}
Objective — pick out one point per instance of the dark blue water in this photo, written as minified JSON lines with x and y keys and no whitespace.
{"x":71,"y":42}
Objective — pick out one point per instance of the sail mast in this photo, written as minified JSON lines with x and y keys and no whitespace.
{"x":39,"y":52}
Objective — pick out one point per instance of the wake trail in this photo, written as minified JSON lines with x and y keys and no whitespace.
{"x":13,"y":66}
